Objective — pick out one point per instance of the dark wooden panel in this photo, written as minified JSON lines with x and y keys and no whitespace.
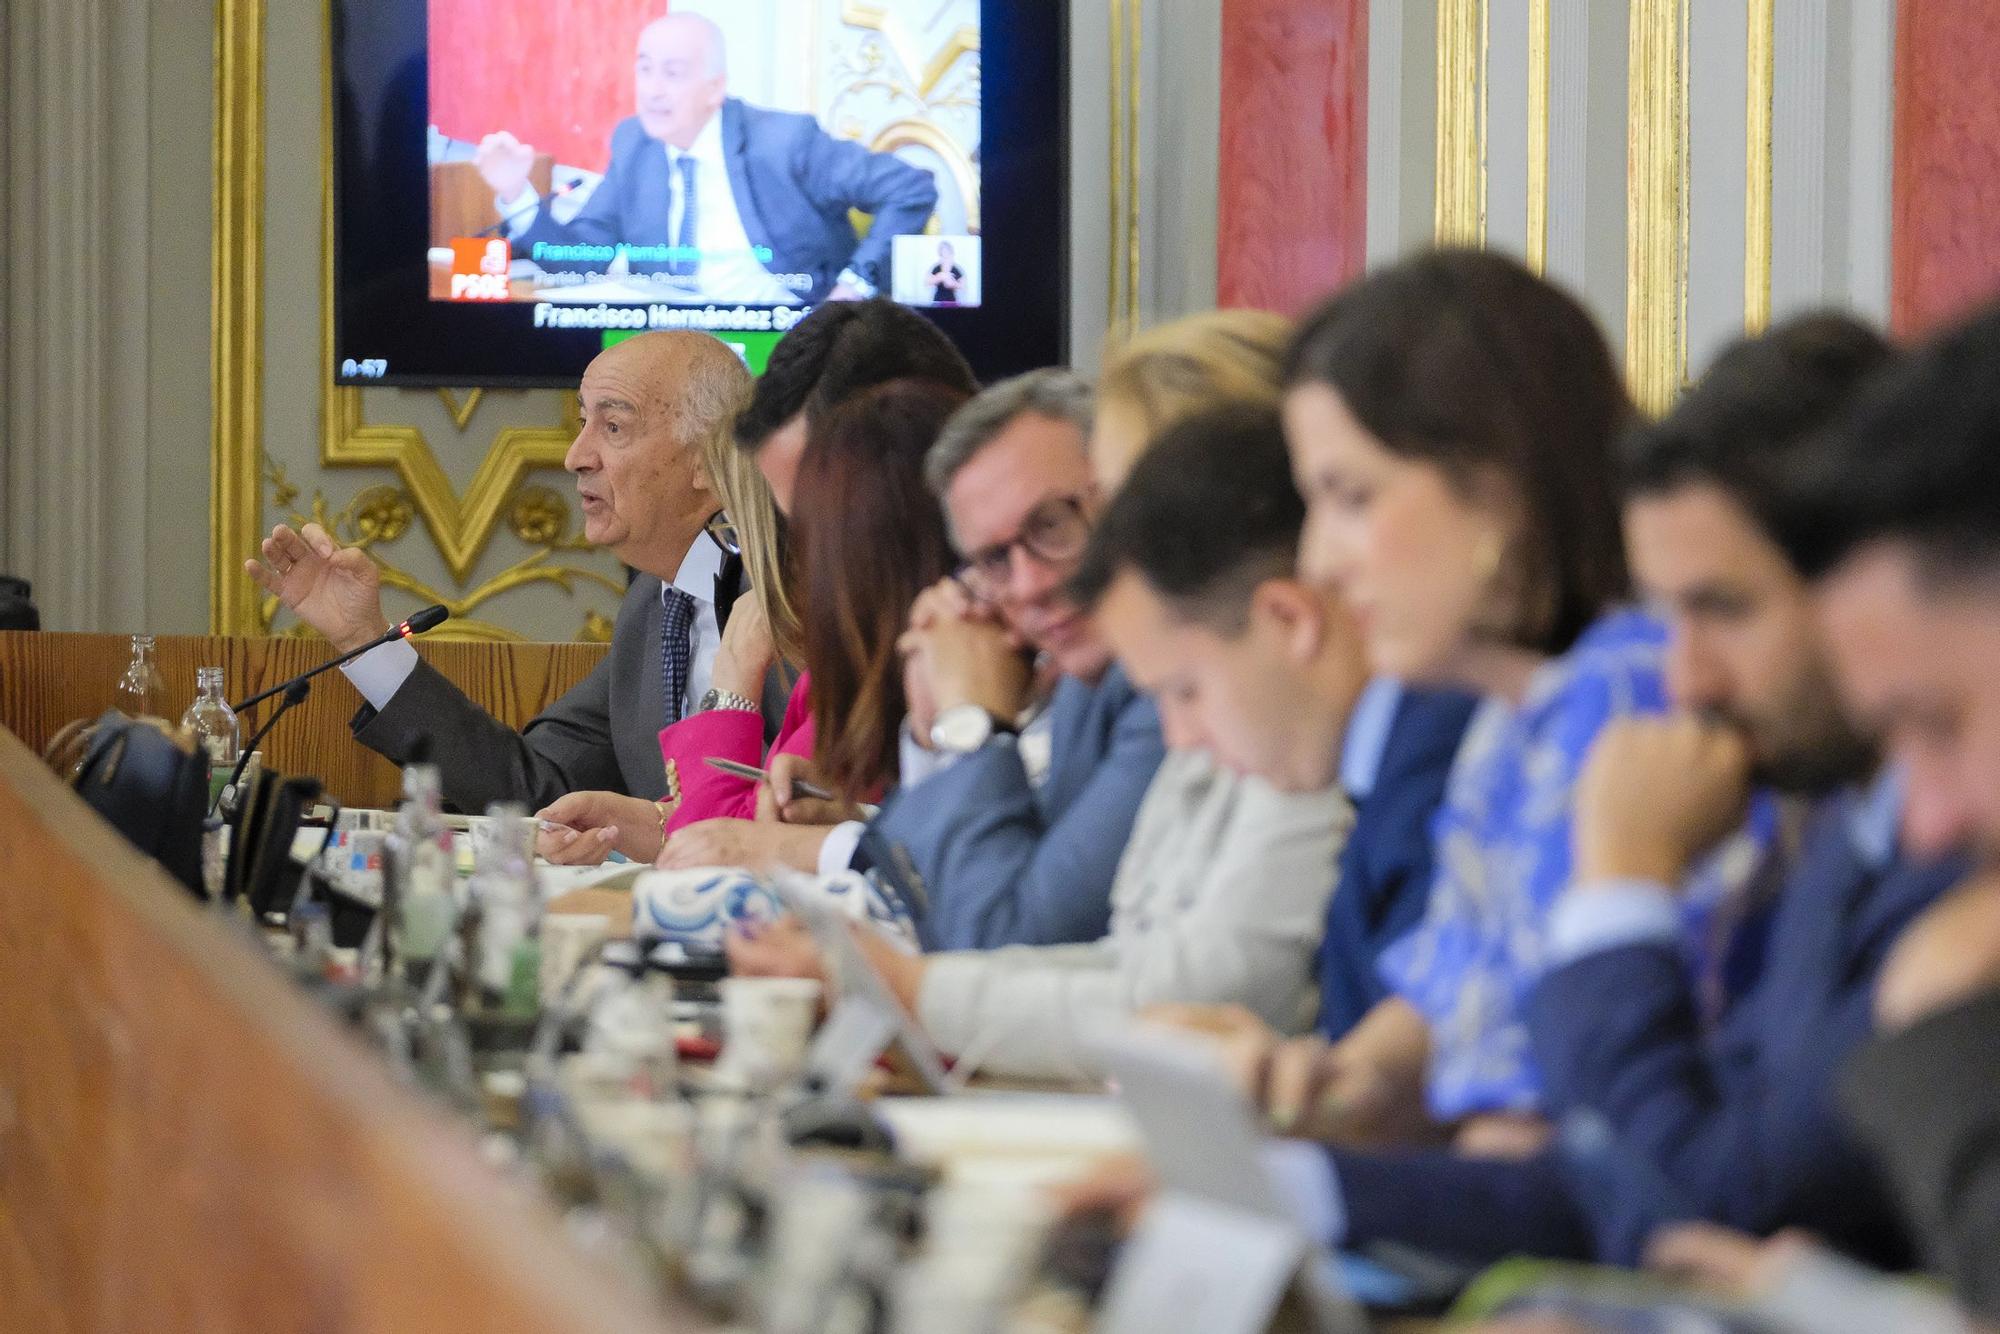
{"x":1945,"y":246}
{"x":47,"y":679}
{"x":1292,"y":220}
{"x":187,"y":1143}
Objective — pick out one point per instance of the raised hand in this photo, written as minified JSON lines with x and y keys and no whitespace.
{"x":334,"y":589}
{"x":504,"y":163}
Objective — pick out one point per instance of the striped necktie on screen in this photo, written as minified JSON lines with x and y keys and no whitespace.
{"x":685,"y":241}
{"x":676,"y":650}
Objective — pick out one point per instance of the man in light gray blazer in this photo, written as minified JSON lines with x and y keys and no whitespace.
{"x":1015,"y":803}
{"x":644,"y":490}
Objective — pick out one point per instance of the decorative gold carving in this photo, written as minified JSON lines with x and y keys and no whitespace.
{"x":874,"y":18}
{"x":1757,"y":167}
{"x":869,"y":67}
{"x":236,"y":311}
{"x":381,"y":514}
{"x":1538,"y":135}
{"x":1461,"y":120}
{"x":597,"y":628}
{"x":1656,"y":203}
{"x":540,"y":516}
{"x":460,"y":525}
{"x":924,"y":134}
{"x":461,"y":412}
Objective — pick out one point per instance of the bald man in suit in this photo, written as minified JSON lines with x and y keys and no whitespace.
{"x":647,"y":402}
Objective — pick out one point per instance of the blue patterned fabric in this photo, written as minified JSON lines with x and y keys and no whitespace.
{"x":1502,"y":843}
{"x":676,"y":651}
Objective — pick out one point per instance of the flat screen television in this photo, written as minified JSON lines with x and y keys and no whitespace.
{"x":518,"y":181}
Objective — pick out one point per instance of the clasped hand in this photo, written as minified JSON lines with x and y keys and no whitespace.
{"x":958,"y":651}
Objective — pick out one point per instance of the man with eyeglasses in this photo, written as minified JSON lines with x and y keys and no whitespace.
{"x":647,"y":405}
{"x":1027,"y":750}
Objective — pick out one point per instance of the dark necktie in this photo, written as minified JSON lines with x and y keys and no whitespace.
{"x":676,"y":651}
{"x":685,"y":241}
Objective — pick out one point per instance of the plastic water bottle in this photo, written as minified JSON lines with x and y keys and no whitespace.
{"x":140,"y":692}
{"x":417,"y":854}
{"x":510,"y":910}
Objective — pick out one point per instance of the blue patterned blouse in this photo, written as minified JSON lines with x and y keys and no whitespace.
{"x":1502,"y":837}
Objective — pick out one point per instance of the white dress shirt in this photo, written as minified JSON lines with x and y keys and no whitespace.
{"x":729,"y":272}
{"x":379,"y":673}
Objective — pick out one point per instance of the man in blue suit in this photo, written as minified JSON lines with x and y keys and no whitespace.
{"x":721,"y":201}
{"x":1664,"y":1114}
{"x":1028,"y":750}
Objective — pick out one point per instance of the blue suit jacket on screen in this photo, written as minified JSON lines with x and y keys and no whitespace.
{"x":793,"y":182}
{"x":1003,"y":862}
{"x":1664,"y":1122}
{"x":1383,"y":878}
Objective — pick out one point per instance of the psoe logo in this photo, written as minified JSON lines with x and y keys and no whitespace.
{"x":479,"y":268}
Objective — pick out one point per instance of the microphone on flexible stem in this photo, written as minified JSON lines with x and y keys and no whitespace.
{"x":574,"y":183}
{"x":295,"y":694}
{"x":430,"y":618}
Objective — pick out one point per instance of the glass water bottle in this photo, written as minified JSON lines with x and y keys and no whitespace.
{"x":140,"y":692}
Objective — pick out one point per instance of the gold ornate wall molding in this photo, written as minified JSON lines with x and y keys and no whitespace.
{"x":1757,"y":168}
{"x":1656,"y":226}
{"x":237,"y":317}
{"x":1538,"y":135}
{"x":1461,"y":122}
{"x":1122,"y":298}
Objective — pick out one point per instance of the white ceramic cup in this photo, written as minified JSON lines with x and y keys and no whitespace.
{"x":767,"y":1025}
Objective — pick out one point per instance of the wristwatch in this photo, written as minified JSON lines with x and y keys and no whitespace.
{"x":728,"y":699}
{"x":964,"y":728}
{"x":849,"y":278}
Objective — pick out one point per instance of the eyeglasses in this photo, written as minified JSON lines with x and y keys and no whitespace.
{"x":723,"y":533}
{"x":1054,"y":533}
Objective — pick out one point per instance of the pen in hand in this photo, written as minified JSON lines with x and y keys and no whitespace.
{"x":800,"y":787}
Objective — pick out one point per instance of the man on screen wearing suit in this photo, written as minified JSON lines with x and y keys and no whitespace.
{"x":648,"y":402}
{"x":718,"y":183}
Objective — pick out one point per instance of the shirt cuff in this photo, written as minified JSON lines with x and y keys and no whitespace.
{"x":526,"y":219}
{"x":380,"y":672}
{"x":1303,"y":1174}
{"x":1608,"y":915}
{"x":836,"y":850}
{"x":915,"y":763}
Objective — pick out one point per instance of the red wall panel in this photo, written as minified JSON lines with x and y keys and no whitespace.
{"x":1291,"y":211}
{"x":1946,"y":221}
{"x":558,"y":73}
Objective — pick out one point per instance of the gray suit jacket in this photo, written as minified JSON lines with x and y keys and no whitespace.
{"x":603,"y":735}
{"x":793,"y":182}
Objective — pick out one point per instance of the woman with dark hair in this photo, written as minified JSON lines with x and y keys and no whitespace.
{"x":869,"y":536}
{"x":1452,"y":422}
